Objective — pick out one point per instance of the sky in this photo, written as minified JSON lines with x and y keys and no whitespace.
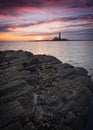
{"x":44,"y":19}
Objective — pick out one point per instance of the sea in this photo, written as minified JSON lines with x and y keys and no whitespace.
{"x":77,"y":53}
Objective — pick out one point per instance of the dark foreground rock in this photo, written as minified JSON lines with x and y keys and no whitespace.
{"x":39,"y":92}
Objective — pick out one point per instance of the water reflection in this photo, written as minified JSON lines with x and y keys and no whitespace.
{"x":78,"y":53}
{"x":40,"y":48}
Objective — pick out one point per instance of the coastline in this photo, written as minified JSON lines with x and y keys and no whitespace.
{"x":41,"y":92}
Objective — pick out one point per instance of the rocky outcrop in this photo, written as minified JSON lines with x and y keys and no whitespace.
{"x":39,"y":92}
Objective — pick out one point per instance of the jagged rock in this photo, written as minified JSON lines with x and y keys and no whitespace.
{"x":39,"y":92}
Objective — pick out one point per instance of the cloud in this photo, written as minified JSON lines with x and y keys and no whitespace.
{"x":14,"y":4}
{"x":89,"y":25}
{"x":77,"y":17}
{"x":29,"y":3}
{"x":4,"y":28}
{"x":3,"y":14}
{"x":9,"y":27}
{"x":9,"y":13}
{"x":81,"y":4}
{"x":20,"y":17}
{"x":37,"y":33}
{"x":17,"y":8}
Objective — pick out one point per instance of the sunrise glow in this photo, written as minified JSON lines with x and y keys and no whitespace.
{"x":39,"y":38}
{"x":43,"y":19}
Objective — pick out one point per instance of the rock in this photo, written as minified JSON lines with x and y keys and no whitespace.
{"x":39,"y":92}
{"x":81,"y":71}
{"x":10,"y":112}
{"x":15,"y":91}
{"x":13,"y":126}
{"x":29,"y":126}
{"x":85,"y":80}
{"x":66,"y":65}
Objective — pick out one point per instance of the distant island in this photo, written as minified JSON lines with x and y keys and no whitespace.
{"x":54,"y":39}
{"x":59,"y":38}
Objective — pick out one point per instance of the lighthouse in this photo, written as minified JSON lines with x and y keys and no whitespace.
{"x":59,"y":35}
{"x":59,"y":38}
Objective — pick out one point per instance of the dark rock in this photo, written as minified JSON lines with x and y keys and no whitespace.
{"x":10,"y":112}
{"x":85,"y":80}
{"x":29,"y":126}
{"x":13,"y":126}
{"x":66,"y":65}
{"x":39,"y":92}
{"x":81,"y":71}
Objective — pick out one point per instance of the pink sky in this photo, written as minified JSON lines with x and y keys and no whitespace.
{"x":43,"y":19}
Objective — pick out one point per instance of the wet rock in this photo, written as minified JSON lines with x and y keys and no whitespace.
{"x":39,"y":92}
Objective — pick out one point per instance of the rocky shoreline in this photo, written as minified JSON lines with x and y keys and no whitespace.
{"x":39,"y":92}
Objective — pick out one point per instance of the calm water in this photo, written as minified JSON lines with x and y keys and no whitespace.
{"x":77,"y":53}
